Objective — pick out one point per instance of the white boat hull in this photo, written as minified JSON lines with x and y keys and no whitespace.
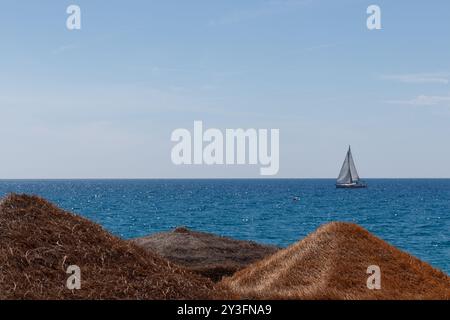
{"x":358,"y":185}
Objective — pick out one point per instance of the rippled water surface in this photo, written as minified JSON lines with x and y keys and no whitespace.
{"x":414,"y":215}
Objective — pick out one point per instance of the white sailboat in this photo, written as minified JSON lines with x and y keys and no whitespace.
{"x":348,"y":177}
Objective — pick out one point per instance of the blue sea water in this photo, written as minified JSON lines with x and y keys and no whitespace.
{"x":413,"y":215}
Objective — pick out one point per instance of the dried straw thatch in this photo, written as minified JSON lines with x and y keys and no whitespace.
{"x":38,"y":242}
{"x":332,"y":263}
{"x":207,"y":254}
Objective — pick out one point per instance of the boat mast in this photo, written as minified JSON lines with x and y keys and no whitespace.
{"x":348,"y":158}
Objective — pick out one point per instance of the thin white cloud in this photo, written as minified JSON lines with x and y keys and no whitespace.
{"x":64,"y":48}
{"x":321,"y":46}
{"x":424,"y":100}
{"x":419,"y":78}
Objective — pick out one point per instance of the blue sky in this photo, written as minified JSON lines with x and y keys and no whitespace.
{"x":102,"y":102}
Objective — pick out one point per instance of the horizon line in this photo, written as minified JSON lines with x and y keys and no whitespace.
{"x":222,"y":178}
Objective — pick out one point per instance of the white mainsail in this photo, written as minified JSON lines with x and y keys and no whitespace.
{"x":348,"y":172}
